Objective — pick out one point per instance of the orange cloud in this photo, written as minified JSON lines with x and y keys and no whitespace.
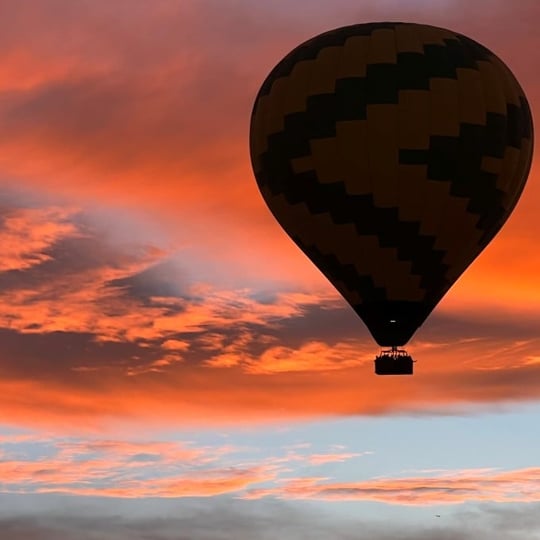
{"x":449,"y":377}
{"x":27,"y":233}
{"x":146,"y":278}
{"x":81,"y":277}
{"x":312,"y":356}
{"x":159,"y":125}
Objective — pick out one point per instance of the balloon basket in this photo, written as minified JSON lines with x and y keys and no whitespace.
{"x":394,"y":361}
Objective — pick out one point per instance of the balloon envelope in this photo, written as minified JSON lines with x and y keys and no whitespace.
{"x":391,"y":153}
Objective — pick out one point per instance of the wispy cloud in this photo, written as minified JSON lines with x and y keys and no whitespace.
{"x":453,"y":487}
{"x":128,"y":469}
{"x":119,"y":468}
{"x":134,"y":469}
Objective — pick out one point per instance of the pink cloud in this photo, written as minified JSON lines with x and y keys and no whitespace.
{"x":447,"y":488}
{"x":112,"y":467}
{"x":322,"y":459}
{"x":123,"y":468}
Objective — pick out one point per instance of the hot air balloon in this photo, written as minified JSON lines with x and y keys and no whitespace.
{"x":391,"y":153}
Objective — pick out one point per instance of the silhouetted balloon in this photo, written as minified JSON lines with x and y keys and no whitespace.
{"x":391,"y":153}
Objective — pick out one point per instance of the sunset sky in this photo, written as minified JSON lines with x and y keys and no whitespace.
{"x":172,"y":367}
